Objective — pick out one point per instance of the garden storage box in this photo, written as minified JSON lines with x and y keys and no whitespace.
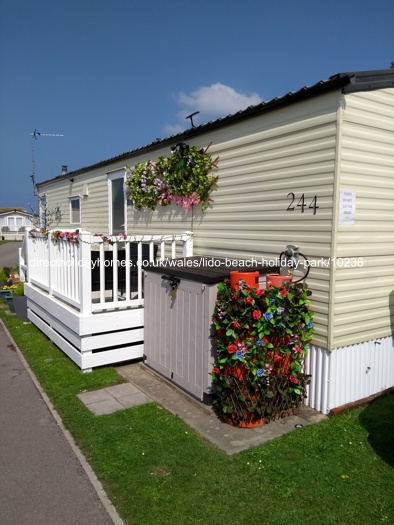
{"x":180,"y":296}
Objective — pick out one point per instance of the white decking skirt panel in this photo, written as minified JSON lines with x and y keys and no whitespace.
{"x":349,"y":373}
{"x":89,"y":340}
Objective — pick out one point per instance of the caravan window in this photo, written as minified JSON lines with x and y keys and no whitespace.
{"x":75,"y":210}
{"x":117,"y":203}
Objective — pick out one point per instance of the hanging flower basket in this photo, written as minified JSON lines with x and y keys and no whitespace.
{"x":262,"y":338}
{"x":183,"y":178}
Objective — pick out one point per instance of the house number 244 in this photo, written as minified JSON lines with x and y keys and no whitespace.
{"x":301,"y":203}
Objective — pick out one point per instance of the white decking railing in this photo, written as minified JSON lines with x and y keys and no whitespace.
{"x":86,"y":293}
{"x":92,"y":273}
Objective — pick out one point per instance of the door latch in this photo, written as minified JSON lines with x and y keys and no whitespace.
{"x":174,"y":283}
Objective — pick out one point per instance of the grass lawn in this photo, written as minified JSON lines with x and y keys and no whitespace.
{"x":158,"y":471}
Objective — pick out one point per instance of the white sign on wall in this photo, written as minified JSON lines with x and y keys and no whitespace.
{"x":347,"y":207}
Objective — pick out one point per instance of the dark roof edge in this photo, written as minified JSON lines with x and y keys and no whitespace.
{"x":347,"y":82}
{"x":21,"y":211}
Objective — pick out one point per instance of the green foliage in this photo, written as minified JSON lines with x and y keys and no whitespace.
{"x":19,"y":290}
{"x":157,"y":470}
{"x":262,"y":338}
{"x":4,"y":274}
{"x":182,"y":178}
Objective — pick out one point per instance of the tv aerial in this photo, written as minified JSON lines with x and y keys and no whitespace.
{"x":34,"y":136}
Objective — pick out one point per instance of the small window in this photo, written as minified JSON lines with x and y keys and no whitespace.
{"x":75,"y":210}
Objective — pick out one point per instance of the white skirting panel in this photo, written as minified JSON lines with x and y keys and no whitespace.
{"x":92,"y":340}
{"x":317,"y":366}
{"x":349,"y":374}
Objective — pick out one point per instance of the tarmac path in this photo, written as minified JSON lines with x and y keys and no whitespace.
{"x":41,"y":480}
{"x":9,"y":255}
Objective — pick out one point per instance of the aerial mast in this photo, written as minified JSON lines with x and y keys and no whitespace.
{"x":34,"y":136}
{"x":42,"y":209}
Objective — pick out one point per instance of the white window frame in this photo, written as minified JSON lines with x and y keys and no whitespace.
{"x":75,"y":198}
{"x":117,"y":174}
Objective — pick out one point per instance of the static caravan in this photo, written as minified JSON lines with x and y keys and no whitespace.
{"x":14,"y":220}
{"x":313,"y":168}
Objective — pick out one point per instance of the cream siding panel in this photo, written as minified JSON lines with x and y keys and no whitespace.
{"x":261,"y":160}
{"x":58,"y":195}
{"x":94,"y":206}
{"x":363,"y":299}
{"x":249,"y":217}
{"x":373,"y":109}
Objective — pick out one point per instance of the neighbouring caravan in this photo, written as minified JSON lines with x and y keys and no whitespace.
{"x":313,"y":168}
{"x":14,"y":221}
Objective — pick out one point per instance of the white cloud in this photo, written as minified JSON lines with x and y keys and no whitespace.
{"x":217,"y":100}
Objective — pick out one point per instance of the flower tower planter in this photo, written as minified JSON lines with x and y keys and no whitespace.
{"x":262,"y":337}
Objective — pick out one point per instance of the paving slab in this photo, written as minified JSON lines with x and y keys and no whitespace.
{"x":113,"y":398}
{"x":204,"y":420}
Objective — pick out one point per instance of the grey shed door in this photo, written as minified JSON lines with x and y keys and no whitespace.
{"x":176,"y":342}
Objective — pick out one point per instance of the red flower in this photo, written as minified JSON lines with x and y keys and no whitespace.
{"x":256,"y":314}
{"x":265,"y":340}
{"x":297,"y":349}
{"x":220,"y":332}
{"x":284,"y":293}
{"x":216,"y":370}
{"x":236,"y":325}
{"x":293,"y":379}
{"x":260,"y":291}
{"x":232,"y":348}
{"x":249,"y":300}
{"x":287,"y":339}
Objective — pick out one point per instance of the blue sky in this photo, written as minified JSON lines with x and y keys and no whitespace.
{"x":115,"y":75}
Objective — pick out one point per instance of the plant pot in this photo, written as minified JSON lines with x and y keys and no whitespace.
{"x":4,"y":294}
{"x":250,"y":278}
{"x":10,"y":302}
{"x":20,"y":305}
{"x":247,"y":423}
{"x":275,"y":279}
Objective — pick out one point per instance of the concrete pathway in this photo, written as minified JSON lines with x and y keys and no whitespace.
{"x":203,"y":419}
{"x":145,"y":386}
{"x":42,"y":481}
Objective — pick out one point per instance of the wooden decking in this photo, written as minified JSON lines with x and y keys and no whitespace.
{"x":100,"y":320}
